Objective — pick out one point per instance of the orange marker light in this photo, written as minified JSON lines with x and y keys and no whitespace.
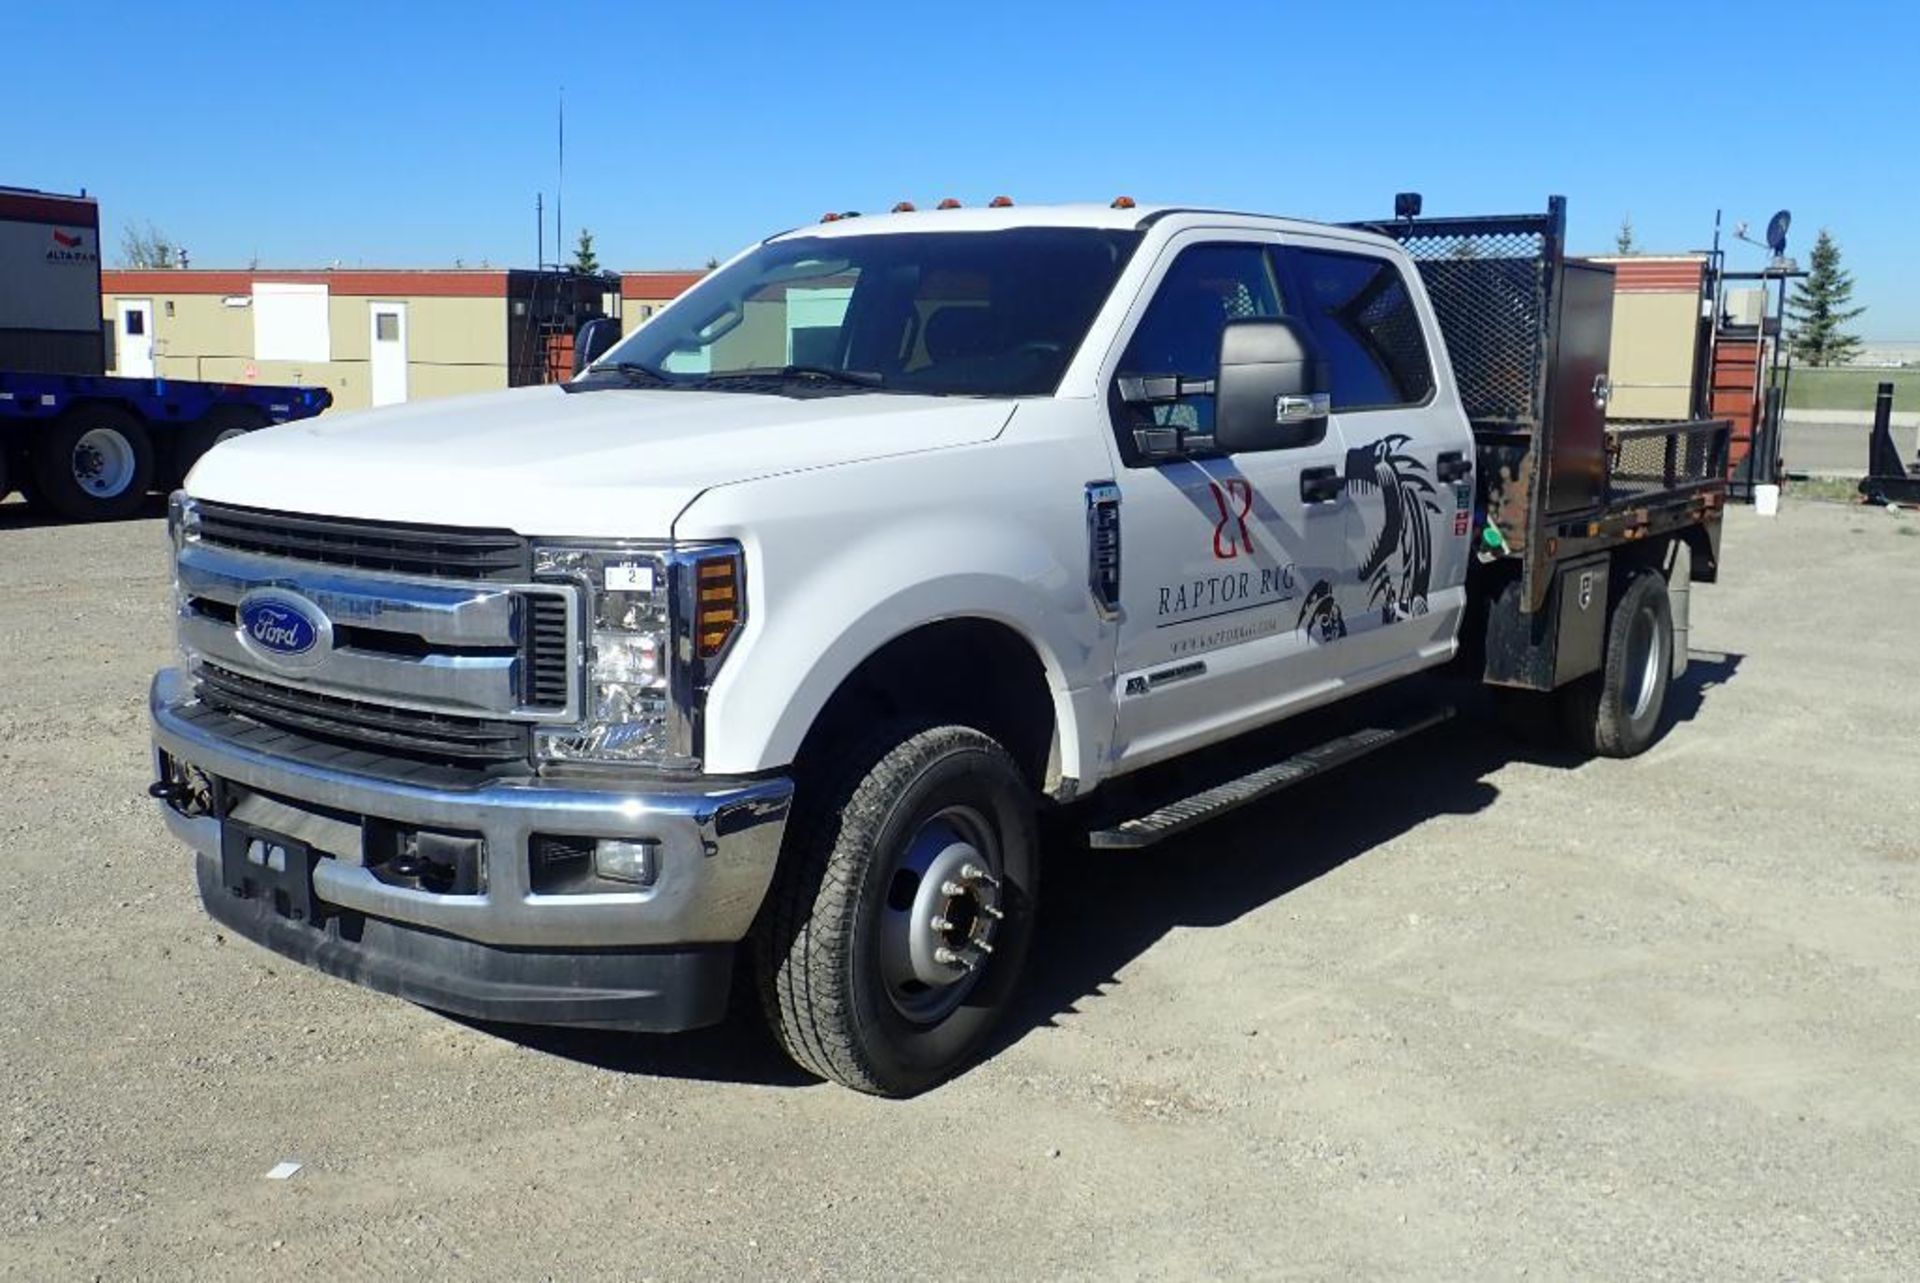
{"x":1000,"y":202}
{"x":904,"y":207}
{"x":949,"y":203}
{"x":1123,"y":202}
{"x":717,"y":605}
{"x":829,"y":218}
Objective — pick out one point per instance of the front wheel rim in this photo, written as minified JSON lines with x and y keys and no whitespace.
{"x":941,"y":915}
{"x":104,"y":463}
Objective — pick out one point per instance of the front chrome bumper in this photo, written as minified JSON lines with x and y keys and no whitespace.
{"x":717,"y":841}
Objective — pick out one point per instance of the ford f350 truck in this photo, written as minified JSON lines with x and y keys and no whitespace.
{"x":775,"y":635}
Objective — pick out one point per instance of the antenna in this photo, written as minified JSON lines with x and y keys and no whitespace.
{"x":539,"y":230}
{"x":560,"y":188}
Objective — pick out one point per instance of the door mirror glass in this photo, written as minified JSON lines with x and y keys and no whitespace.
{"x":1271,"y":392}
{"x":595,"y":339}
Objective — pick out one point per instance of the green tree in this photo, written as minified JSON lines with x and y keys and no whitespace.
{"x":1819,"y":309}
{"x":1623,"y":239}
{"x":148,"y":247}
{"x":583,"y":256}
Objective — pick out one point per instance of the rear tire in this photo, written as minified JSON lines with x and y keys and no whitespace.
{"x":94,"y":463}
{"x":858,"y":982}
{"x":1616,"y":712}
{"x":222,"y":423}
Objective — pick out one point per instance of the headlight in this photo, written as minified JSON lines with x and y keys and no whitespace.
{"x":659,"y":620}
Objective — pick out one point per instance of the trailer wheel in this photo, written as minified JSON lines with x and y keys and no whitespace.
{"x":222,"y":423}
{"x":1616,"y":712}
{"x":899,"y":920}
{"x":94,"y":463}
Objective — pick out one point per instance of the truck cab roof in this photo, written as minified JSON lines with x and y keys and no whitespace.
{"x":988,"y":218}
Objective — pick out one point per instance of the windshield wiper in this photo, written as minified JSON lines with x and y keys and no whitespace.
{"x":822,"y":373}
{"x":636,"y":372}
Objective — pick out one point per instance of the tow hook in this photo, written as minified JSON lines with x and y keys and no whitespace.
{"x":173,"y":792}
{"x":184,"y":789}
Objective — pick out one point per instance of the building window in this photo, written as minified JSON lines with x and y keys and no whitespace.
{"x":386,"y":327}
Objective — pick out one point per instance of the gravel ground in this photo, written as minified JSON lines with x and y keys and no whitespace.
{"x":1468,"y":1013}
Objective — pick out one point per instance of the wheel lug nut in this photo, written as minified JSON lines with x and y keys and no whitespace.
{"x":982,"y":946}
{"x":940,"y":924}
{"x":951,"y":889}
{"x":950,"y":958}
{"x":992,"y":912}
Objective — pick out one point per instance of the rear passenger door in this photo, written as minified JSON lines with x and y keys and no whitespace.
{"x":1398,"y":600}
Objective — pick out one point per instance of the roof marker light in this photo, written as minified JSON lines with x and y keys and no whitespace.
{"x":1000,"y":202}
{"x":949,"y":203}
{"x":829,"y":217}
{"x":904,"y":207}
{"x":1123,"y":202}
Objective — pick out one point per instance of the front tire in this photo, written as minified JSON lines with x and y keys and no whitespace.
{"x":900,"y":918}
{"x":94,"y":463}
{"x":1617,"y":711}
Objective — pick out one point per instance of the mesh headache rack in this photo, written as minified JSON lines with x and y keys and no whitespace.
{"x":1528,"y":332}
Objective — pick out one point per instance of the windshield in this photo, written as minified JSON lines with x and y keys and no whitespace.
{"x":968,"y":313}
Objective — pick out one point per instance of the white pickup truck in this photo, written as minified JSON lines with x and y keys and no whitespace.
{"x":774,"y":635}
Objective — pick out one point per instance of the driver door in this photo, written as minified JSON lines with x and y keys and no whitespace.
{"x":1224,"y":618}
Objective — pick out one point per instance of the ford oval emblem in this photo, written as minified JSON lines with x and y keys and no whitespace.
{"x":283,"y":628}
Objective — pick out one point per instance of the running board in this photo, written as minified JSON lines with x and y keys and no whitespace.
{"x":1211,"y":804}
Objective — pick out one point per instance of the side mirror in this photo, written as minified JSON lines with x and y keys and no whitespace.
{"x":1271,"y":393}
{"x":595,"y":339}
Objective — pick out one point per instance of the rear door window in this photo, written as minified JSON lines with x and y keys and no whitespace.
{"x":1363,"y":315}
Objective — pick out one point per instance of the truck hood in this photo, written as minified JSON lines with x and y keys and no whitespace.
{"x":614,"y":462}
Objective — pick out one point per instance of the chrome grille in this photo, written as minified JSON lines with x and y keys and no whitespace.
{"x":436,"y":551}
{"x":433,"y":651}
{"x":433,"y":737}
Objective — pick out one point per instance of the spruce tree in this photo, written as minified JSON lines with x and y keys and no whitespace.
{"x":583,"y":256}
{"x":1818,"y":309}
{"x":1623,"y":239}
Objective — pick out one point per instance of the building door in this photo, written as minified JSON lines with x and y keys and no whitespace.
{"x":388,"y":374}
{"x":134,"y":355}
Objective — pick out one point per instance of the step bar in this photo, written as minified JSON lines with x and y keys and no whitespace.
{"x":1210,"y":804}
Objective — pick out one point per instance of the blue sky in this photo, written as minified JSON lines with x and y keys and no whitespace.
{"x":416,"y":134}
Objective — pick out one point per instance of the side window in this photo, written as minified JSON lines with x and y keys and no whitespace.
{"x":1363,"y":316}
{"x":1207,"y":286}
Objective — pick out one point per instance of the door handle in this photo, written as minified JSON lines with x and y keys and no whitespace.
{"x":1320,"y":485}
{"x":1452,"y":466}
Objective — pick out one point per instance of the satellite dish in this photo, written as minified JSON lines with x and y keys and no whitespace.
{"x":1777,"y":232}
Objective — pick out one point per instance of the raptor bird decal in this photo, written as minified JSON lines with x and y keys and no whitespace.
{"x":1399,"y":565}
